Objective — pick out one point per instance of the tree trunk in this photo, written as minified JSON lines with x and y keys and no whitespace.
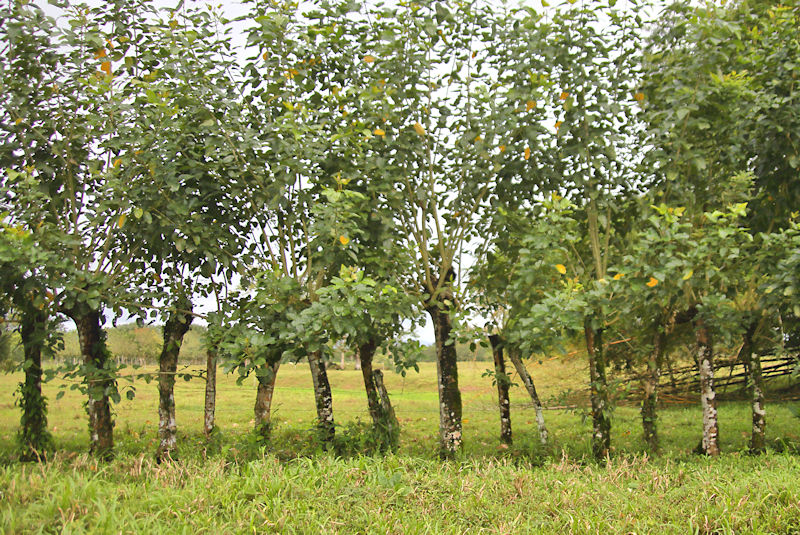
{"x":502,"y":381}
{"x":450,"y":438}
{"x":322,"y":396}
{"x":266,"y":387}
{"x":175,"y":328}
{"x":601,"y":423}
{"x":755,"y":384}
{"x":380,"y":407}
{"x":210,"y":405}
{"x":34,"y":439}
{"x":650,"y":386}
{"x":393,"y":425}
{"x":527,"y":380}
{"x":709,"y":444}
{"x":100,"y":382}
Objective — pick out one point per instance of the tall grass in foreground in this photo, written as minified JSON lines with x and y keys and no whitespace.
{"x":732,"y":494}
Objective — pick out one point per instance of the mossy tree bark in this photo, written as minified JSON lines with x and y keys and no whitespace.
{"x":709,"y":444}
{"x":175,"y":328}
{"x":322,"y":396}
{"x":755,"y":385}
{"x":266,"y":377}
{"x":450,"y":437}
{"x":380,"y":407}
{"x":502,"y":381}
{"x":601,"y":423}
{"x":34,"y":439}
{"x":99,"y":381}
{"x":652,"y":375}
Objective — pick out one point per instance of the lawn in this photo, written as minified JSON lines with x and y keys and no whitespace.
{"x":236,"y":485}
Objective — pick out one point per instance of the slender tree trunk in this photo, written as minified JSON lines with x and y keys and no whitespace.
{"x":650,"y":385}
{"x":601,"y":423}
{"x":755,"y":384}
{"x":322,"y":396}
{"x":100,"y":382}
{"x":502,"y":381}
{"x":366,"y":352}
{"x":380,"y":407}
{"x":450,"y":438}
{"x":527,"y":380}
{"x":34,"y":439}
{"x":266,"y":388}
{"x":210,"y":405}
{"x":709,"y":444}
{"x":393,"y":425}
{"x":175,"y":328}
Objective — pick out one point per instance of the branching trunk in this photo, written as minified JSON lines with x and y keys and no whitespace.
{"x":755,"y":384}
{"x":527,"y":380}
{"x":380,"y":410}
{"x":322,"y":396}
{"x":601,"y":423}
{"x":450,"y":438}
{"x":266,"y":388}
{"x":210,"y":405}
{"x":34,"y":439}
{"x":99,"y":380}
{"x":392,"y":425}
{"x":709,"y":444}
{"x":502,"y":380}
{"x":175,"y":328}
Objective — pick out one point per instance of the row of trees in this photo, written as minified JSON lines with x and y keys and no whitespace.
{"x":353,"y":167}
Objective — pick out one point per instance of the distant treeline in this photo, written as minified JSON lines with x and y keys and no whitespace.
{"x":133,"y":344}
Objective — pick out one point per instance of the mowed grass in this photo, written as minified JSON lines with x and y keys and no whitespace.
{"x":291,"y":485}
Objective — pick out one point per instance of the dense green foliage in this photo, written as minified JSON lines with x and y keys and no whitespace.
{"x":575,"y":179}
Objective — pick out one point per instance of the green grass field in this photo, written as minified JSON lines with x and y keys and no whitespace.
{"x":292,"y":486}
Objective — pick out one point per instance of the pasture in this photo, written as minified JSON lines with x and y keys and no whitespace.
{"x":237,"y":485}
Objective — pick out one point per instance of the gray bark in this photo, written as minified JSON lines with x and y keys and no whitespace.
{"x":264,"y":392}
{"x":450,"y":435}
{"x":709,"y":444}
{"x":210,"y":404}
{"x":755,"y":383}
{"x":322,"y":396}
{"x":92,"y":341}
{"x":527,"y":380}
{"x":175,"y":328}
{"x":601,"y":423}
{"x":502,"y":381}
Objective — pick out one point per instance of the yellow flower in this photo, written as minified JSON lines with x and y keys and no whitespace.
{"x":563,"y":95}
{"x":527,"y":153}
{"x":369,"y":59}
{"x":561,"y":268}
{"x":618,"y":276}
{"x":652,"y":282}
{"x":344,"y":240}
{"x":639,"y":96}
{"x":379,"y":132}
{"x":419,"y":129}
{"x":530,"y":105}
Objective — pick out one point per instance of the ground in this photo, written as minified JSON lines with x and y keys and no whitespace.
{"x":291,"y":485}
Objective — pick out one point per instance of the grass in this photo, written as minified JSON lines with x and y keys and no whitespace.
{"x":291,"y":486}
